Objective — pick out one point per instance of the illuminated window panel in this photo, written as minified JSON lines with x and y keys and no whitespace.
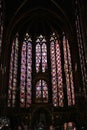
{"x":71,"y":74}
{"x":41,"y":54}
{"x":26,"y":73}
{"x":10,"y":76}
{"x":53,"y":71}
{"x":23,"y":75}
{"x":68,"y":72}
{"x":81,"y":50}
{"x":44,"y":60}
{"x":38,"y":90}
{"x":13,"y":74}
{"x":38,"y":57}
{"x":56,"y":71}
{"x":41,"y":91}
{"x":29,"y":74}
{"x":44,"y":57}
{"x":59,"y":73}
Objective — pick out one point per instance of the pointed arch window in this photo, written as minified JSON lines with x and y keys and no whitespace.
{"x":56,"y":71}
{"x":68,"y":72}
{"x":13,"y":73}
{"x":41,"y":91}
{"x":61,"y":72}
{"x":26,"y":72}
{"x":81,"y":48}
{"x":41,"y":54}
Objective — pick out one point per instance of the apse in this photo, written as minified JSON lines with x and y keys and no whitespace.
{"x":50,"y":57}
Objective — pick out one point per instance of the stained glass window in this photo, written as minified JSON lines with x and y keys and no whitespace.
{"x":26,"y":72}
{"x":41,"y":91}
{"x":59,"y":65}
{"x":81,"y":49}
{"x":68,"y":72}
{"x":41,"y":54}
{"x":13,"y":73}
{"x":56,"y":71}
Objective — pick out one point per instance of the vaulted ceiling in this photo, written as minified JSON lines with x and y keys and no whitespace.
{"x":36,"y":16}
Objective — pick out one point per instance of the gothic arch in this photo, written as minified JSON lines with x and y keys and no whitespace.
{"x":39,"y":110}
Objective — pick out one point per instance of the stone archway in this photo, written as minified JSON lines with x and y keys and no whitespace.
{"x":41,"y":118}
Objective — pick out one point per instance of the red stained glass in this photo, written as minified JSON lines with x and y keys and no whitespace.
{"x":41,"y":54}
{"x":56,"y":71}
{"x":68,"y":72}
{"x":26,"y":73}
{"x":13,"y":74}
{"x":41,"y":91}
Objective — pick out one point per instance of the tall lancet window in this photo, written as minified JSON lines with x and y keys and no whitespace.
{"x":82,"y":49}
{"x":41,"y":91}
{"x":56,"y":71}
{"x":13,"y":73}
{"x":68,"y":72}
{"x":41,"y":54}
{"x":26,"y":73}
{"x":1,"y":23}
